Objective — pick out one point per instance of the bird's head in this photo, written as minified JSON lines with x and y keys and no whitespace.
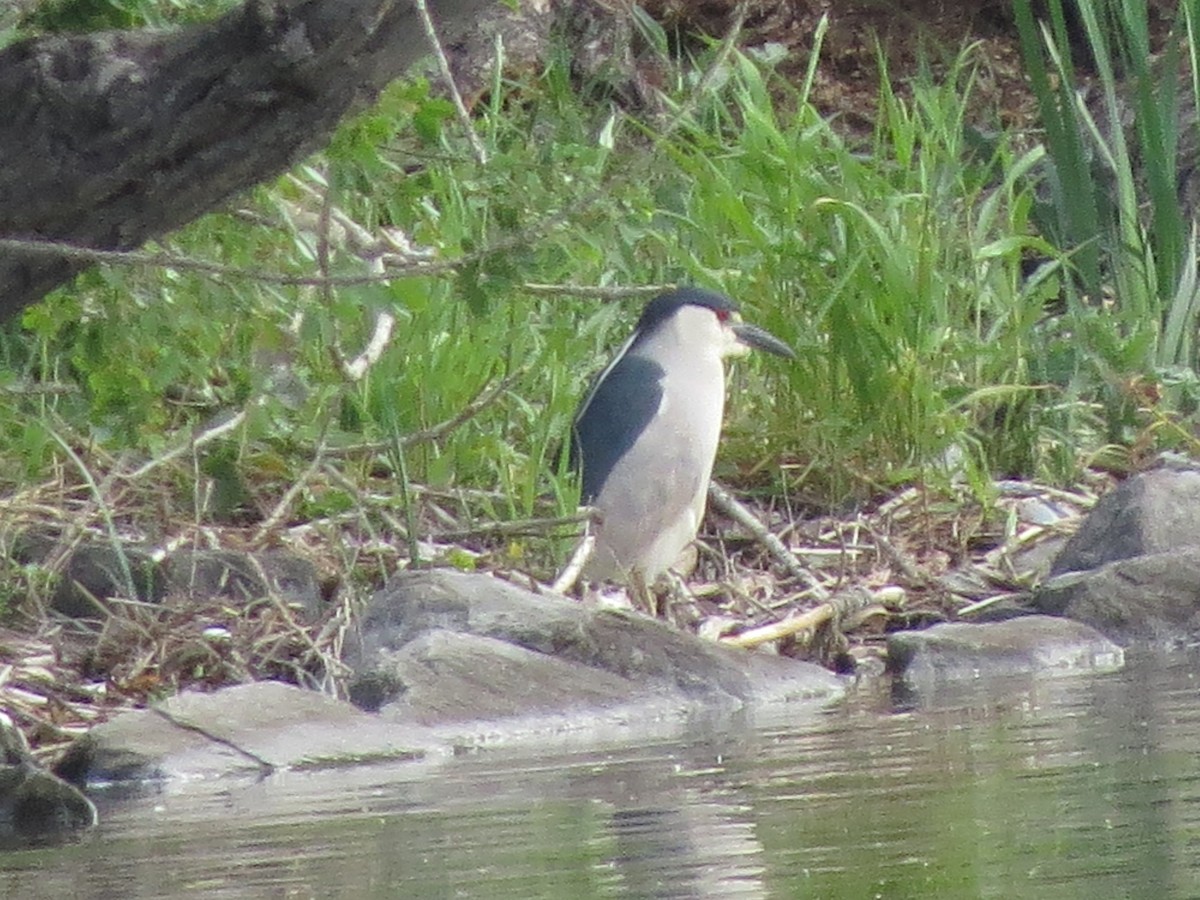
{"x":707,"y":320}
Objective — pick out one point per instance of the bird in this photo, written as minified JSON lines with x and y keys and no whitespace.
{"x":645,"y":436}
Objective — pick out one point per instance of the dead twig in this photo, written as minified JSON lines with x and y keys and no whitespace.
{"x":595,"y":291}
{"x":906,"y":566}
{"x":835,"y":609}
{"x":575,"y":565}
{"x":443,"y":64}
{"x":535,"y":526}
{"x":285,"y":502}
{"x":727,"y":504}
{"x":468,"y":412}
{"x":218,"y":426}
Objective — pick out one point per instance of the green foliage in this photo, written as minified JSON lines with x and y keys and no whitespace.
{"x":1113,"y":201}
{"x":98,"y":15}
{"x":895,"y":274}
{"x":894,"y":266}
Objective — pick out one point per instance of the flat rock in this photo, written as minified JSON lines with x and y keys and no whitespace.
{"x":1153,"y":598}
{"x":445,"y":676}
{"x":1030,"y":645}
{"x":1152,"y":512}
{"x":449,"y":660}
{"x":247,"y":730}
{"x":547,"y":655}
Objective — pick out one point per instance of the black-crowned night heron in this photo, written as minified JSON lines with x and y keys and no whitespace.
{"x":646,"y":435}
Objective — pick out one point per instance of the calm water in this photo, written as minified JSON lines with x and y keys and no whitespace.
{"x":1083,"y":788}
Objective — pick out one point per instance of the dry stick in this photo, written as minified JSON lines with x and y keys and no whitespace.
{"x":472,"y":409}
{"x":595,"y":291}
{"x":460,"y":108}
{"x":906,"y":566}
{"x":436,"y":432}
{"x":718,"y":64}
{"x":285,"y":502}
{"x":220,"y":428}
{"x":971,"y":608}
{"x":323,"y":223}
{"x":395,"y":270}
{"x":366,"y":246}
{"x":107,"y":514}
{"x":834,"y":609}
{"x":518,"y":526}
{"x":726,"y":503}
{"x":1013,"y":488}
{"x":381,"y":337}
{"x":574,"y":567}
{"x":29,"y":389}
{"x":357,"y":514}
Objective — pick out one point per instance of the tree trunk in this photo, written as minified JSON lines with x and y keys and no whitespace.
{"x":113,"y":138}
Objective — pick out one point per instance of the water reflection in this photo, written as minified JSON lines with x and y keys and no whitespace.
{"x":1067,"y":788}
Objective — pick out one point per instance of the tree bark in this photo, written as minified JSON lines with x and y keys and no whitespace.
{"x":113,"y":138}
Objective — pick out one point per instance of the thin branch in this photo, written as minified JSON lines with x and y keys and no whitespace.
{"x":468,"y":412}
{"x":439,"y":54}
{"x":722,"y":57}
{"x":730,"y":506}
{"x":912,"y":574}
{"x":833,"y":610}
{"x":393,"y":269}
{"x":381,"y":336}
{"x":536,"y":526}
{"x":106,"y":511}
{"x":575,"y":565}
{"x":219,"y":428}
{"x":595,"y":291}
{"x":285,"y":502}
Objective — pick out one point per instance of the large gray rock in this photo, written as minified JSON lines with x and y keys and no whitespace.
{"x":248,"y":730}
{"x":451,"y":659}
{"x":446,"y":676}
{"x":440,"y":647}
{"x":1132,"y":568}
{"x":1153,"y":512}
{"x":1153,"y":598}
{"x":1031,"y":645}
{"x":35,"y":805}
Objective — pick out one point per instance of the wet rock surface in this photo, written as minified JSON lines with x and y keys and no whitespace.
{"x":35,"y":805}
{"x":442,"y":660}
{"x":1154,"y":598}
{"x":249,"y":730}
{"x":1028,"y":645}
{"x":1154,"y":512}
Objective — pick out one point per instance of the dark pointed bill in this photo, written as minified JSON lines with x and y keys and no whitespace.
{"x":760,"y":339}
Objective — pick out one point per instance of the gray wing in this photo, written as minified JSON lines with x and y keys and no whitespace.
{"x":616,"y":412}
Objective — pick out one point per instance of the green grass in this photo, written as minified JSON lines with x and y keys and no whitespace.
{"x":1114,"y":204}
{"x":894,"y":266}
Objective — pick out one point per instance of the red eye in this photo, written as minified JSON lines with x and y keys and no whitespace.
{"x":722,"y":315}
